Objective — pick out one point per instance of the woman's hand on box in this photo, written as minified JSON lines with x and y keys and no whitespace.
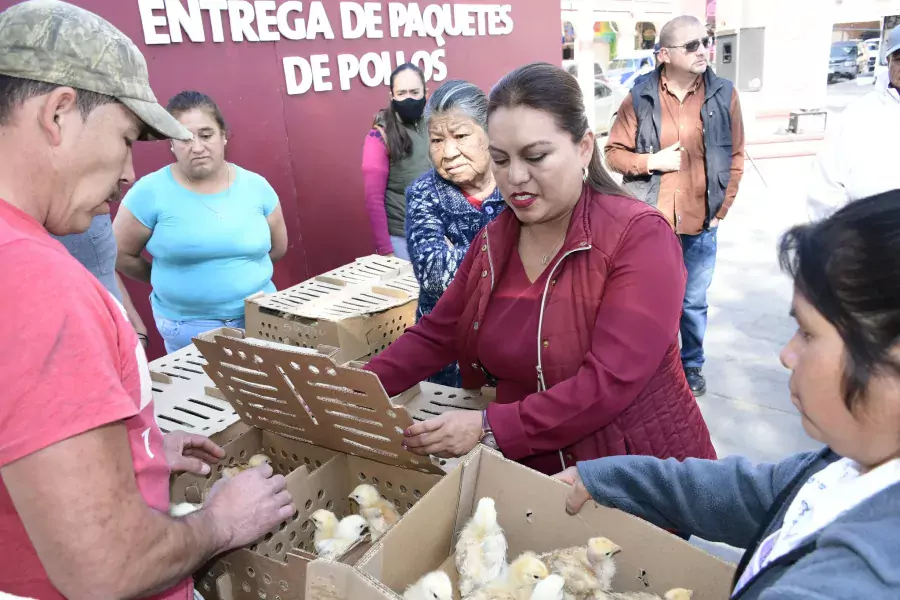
{"x":449,"y":435}
{"x":578,"y":494}
{"x":191,"y":453}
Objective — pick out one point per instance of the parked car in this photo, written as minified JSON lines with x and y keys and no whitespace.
{"x":572,"y":67}
{"x":873,"y":53}
{"x":624,"y":69}
{"x":607,"y":100}
{"x":842,"y":62}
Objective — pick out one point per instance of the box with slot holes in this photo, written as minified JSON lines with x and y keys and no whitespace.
{"x":531,"y":511}
{"x":300,"y":401}
{"x":186,"y":399}
{"x":360,"y":309}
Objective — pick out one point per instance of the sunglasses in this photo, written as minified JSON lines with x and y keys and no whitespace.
{"x":694,"y":45}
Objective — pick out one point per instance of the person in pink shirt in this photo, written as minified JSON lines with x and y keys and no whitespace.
{"x":395,"y":154}
{"x":84,"y":470}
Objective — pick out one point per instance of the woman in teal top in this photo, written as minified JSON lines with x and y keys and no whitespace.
{"x":212,"y":228}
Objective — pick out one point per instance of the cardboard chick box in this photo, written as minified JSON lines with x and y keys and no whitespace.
{"x":531,"y":511}
{"x":328,"y":428}
{"x":186,"y":399}
{"x":360,"y":309}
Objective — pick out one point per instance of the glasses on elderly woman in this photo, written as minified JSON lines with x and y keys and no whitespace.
{"x":694,"y":45}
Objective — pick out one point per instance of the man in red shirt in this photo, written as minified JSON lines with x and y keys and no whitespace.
{"x":84,"y":470}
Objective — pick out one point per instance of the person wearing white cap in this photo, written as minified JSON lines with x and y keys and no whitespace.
{"x":857,"y":160}
{"x":84,"y":469}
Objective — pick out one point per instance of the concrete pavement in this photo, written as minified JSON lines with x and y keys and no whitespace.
{"x":747,"y":405}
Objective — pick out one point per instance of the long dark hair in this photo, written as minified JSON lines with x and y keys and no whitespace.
{"x":398,"y":141}
{"x":848,"y":268}
{"x":542,"y":86}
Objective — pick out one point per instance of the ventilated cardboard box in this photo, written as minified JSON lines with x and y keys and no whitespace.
{"x":531,"y":510}
{"x":360,"y":309}
{"x":328,"y":427}
{"x":186,"y":399}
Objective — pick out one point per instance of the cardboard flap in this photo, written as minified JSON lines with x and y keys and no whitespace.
{"x":184,"y":397}
{"x":304,"y":395}
{"x":369,"y":285}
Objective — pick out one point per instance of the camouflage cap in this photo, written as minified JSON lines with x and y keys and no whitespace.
{"x":56,"y":42}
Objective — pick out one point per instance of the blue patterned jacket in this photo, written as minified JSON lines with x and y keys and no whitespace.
{"x":437,"y":211}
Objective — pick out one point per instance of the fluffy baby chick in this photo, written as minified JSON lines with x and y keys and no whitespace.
{"x":550,"y":588}
{"x":523,"y":575}
{"x":326,"y":527}
{"x":255,"y":461}
{"x":349,"y":530}
{"x":586,"y":570}
{"x":378,"y":512}
{"x":433,"y":586}
{"x":481,"y":549}
{"x":183,"y":509}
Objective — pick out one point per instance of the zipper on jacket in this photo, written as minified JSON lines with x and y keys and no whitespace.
{"x":542,"y":386}
{"x":487,"y":242}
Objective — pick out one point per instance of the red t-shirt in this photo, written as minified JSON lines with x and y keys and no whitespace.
{"x":69,"y":362}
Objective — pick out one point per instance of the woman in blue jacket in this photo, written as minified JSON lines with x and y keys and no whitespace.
{"x":447,"y":206}
{"x":816,"y":525}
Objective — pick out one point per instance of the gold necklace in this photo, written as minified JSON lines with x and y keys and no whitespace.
{"x":545,"y":258}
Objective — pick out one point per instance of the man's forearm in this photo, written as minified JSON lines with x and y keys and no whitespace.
{"x":167,"y":552}
{"x":136,"y":267}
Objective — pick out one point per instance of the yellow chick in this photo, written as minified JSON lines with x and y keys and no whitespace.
{"x":679,"y":594}
{"x":586,"y":570}
{"x":433,"y":586}
{"x":523,"y":575}
{"x":326,"y":527}
{"x":378,"y":512}
{"x":255,"y":461}
{"x":551,"y":588}
{"x":349,"y":530}
{"x":481,"y":549}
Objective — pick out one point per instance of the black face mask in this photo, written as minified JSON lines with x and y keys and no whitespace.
{"x":409,"y":110}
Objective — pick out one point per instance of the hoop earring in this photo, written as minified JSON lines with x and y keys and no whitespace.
{"x":585,"y":175}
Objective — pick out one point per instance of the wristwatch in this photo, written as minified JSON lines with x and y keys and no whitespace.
{"x":487,"y":435}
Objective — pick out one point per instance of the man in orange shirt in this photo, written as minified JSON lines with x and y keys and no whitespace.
{"x":679,"y":141}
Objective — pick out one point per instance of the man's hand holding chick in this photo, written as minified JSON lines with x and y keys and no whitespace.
{"x":191,"y":453}
{"x":247,"y":506}
{"x":578,"y":494}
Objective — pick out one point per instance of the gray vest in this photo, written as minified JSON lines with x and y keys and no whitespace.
{"x":716,"y":118}
{"x":402,"y":173}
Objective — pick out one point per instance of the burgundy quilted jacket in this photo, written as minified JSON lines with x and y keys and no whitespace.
{"x":608,"y":376}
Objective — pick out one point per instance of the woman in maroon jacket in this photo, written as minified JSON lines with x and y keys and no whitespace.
{"x":569,"y":304}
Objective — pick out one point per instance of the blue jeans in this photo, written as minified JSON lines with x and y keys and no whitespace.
{"x":400,"y":249}
{"x":178,"y":334}
{"x":700,"y":262}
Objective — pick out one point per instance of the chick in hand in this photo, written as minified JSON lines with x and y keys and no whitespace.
{"x":433,"y":586}
{"x":378,"y":512}
{"x":550,"y":588}
{"x":326,"y":527}
{"x":481,"y":549}
{"x":183,"y":509}
{"x":519,"y":582}
{"x":255,"y":461}
{"x":586,"y":570}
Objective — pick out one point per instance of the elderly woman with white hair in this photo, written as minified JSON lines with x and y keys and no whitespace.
{"x":447,"y":206}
